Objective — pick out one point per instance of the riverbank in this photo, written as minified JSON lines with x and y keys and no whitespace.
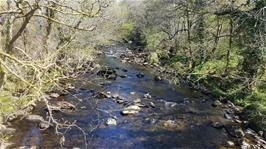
{"x":251,"y":116}
{"x":17,"y":105}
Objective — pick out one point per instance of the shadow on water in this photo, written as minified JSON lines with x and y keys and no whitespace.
{"x":192,"y":114}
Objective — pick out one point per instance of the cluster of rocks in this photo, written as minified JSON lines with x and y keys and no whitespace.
{"x":129,"y":107}
{"x":58,"y":103}
{"x":79,"y":68}
{"x":112,"y":73}
{"x":130,"y":57}
{"x":107,"y":73}
{"x":43,"y":124}
{"x":234,"y":127}
{"x":141,"y":58}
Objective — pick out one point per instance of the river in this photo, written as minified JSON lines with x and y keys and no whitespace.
{"x":178,"y":118}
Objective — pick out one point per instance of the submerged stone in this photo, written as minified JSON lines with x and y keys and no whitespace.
{"x":140,"y":75}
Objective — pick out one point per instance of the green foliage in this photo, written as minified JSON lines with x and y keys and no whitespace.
{"x":126,"y":30}
{"x":183,"y":59}
{"x":154,"y":39}
{"x":211,"y":67}
{"x":9,"y":104}
{"x":253,"y":60}
{"x":153,"y":58}
{"x":256,"y":114}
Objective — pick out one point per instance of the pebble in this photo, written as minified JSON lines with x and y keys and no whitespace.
{"x":44,"y":125}
{"x":227,"y":116}
{"x":170,"y":104}
{"x":115,"y":95}
{"x":138,"y":100}
{"x":230,"y":143}
{"x":134,"y":109}
{"x":239,"y":133}
{"x":150,"y":120}
{"x":132,"y":93}
{"x":111,"y":122}
{"x":83,"y":107}
{"x":245,"y":145}
{"x":147,"y":96}
{"x":169,"y":123}
{"x":152,"y":105}
{"x":54,"y":95}
{"x":34,"y":118}
{"x":216,"y":103}
{"x":120,"y":101}
{"x":102,"y":95}
{"x":123,"y":76}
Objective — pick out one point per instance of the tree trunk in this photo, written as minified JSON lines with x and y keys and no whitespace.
{"x":192,"y":62}
{"x":230,"y":45}
{"x":6,"y":36}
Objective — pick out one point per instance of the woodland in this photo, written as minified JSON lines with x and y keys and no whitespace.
{"x":217,"y":47}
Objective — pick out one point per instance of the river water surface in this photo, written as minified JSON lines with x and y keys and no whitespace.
{"x":179,"y":118}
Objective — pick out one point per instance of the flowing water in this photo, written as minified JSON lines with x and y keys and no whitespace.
{"x":179,"y":118}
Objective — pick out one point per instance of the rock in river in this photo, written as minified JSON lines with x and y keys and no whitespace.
{"x":216,"y":103}
{"x":101,"y":95}
{"x":228,"y":116}
{"x":134,"y":109}
{"x":111,"y":122}
{"x":138,"y":100}
{"x":152,"y":105}
{"x":108,"y":73}
{"x":34,"y":118}
{"x":5,"y":130}
{"x":234,"y":131}
{"x":217,"y":125}
{"x":63,"y":105}
{"x":147,"y":96}
{"x":169,"y":104}
{"x":54,"y":95}
{"x":44,"y":125}
{"x":115,"y":95}
{"x":245,"y":145}
{"x":158,"y":78}
{"x":140,"y":75}
{"x":230,"y":143}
